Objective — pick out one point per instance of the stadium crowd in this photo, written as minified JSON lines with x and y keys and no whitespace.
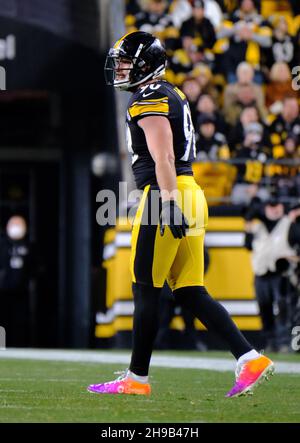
{"x":236,"y":61}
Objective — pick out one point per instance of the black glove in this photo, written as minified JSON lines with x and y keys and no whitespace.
{"x":172,"y":216}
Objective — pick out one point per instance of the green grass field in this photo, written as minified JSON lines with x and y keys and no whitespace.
{"x":42,"y":391}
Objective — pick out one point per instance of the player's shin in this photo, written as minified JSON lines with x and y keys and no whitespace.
{"x":214,"y":317}
{"x":145,"y":326}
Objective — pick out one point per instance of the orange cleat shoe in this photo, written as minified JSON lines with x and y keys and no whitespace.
{"x":122,"y":385}
{"x":251,"y":373}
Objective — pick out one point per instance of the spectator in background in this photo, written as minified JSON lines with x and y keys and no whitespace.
{"x":210,"y":145}
{"x":291,"y":147}
{"x":213,"y":12}
{"x":207,"y":105}
{"x":198,"y":30}
{"x":181,"y":64}
{"x":279,"y":87}
{"x":288,"y":122}
{"x":287,"y":173}
{"x":180,"y":11}
{"x":237,"y":133}
{"x":243,"y":93}
{"x":283,"y":48}
{"x":154,"y":18}
{"x":228,"y":6}
{"x":250,"y":166}
{"x":187,"y":62}
{"x":248,"y":33}
{"x":16,"y":267}
{"x":268,"y":240}
{"x":190,"y":61}
{"x":297,"y":50}
{"x":204,"y":76}
{"x":197,"y":39}
{"x":132,"y":7}
{"x":191,"y":88}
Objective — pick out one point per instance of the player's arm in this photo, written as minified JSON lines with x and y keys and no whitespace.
{"x":159,"y":137}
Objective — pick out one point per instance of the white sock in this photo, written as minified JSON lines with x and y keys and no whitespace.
{"x":251,"y":355}
{"x":139,"y":378}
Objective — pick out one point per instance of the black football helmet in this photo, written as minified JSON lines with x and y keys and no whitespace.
{"x":136,"y":58}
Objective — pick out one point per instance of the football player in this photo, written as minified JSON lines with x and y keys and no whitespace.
{"x":168,"y":232}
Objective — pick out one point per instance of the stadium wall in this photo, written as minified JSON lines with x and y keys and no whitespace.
{"x":229,"y":279}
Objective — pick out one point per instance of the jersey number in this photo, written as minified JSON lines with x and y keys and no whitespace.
{"x":129,"y":144}
{"x":189,"y":133}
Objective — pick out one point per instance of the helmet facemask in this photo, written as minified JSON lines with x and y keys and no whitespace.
{"x":118,"y":63}
{"x":117,"y":69}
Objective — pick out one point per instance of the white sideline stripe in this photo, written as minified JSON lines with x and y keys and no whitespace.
{"x":212,"y":240}
{"x":213,"y":364}
{"x":123,"y":239}
{"x":224,"y":239}
{"x":238,"y":307}
{"x":109,"y":251}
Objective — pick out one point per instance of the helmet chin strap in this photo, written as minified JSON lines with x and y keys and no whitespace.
{"x":158,"y":71}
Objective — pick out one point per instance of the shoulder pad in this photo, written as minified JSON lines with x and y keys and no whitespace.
{"x":151,"y":99}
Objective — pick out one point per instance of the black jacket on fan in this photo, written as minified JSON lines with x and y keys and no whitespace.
{"x":203,"y":31}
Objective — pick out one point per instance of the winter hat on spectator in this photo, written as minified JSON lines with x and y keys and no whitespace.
{"x":206,"y":118}
{"x":202,"y":69}
{"x":197,"y":3}
{"x":273,"y":200}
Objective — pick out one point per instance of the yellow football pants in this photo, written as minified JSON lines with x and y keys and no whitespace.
{"x":155,"y":258}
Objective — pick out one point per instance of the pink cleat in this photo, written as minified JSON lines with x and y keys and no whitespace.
{"x":250,"y":374}
{"x":122,"y":385}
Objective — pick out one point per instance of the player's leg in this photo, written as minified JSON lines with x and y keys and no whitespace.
{"x":151,"y":258}
{"x":251,"y":366}
{"x":145,"y":327}
{"x":186,"y":280}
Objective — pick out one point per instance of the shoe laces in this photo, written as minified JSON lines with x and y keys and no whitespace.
{"x":122,"y":376}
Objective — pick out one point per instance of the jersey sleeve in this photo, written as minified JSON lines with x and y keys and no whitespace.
{"x":150,"y":102}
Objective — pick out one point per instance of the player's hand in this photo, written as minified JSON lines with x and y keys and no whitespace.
{"x":172,"y":216}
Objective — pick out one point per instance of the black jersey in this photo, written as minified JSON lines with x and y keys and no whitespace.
{"x":160,"y":98}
